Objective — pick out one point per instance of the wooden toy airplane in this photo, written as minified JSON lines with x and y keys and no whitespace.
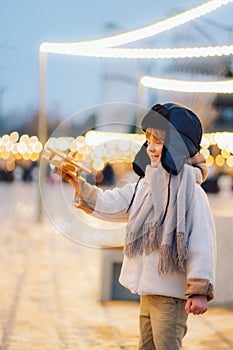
{"x":66,"y":162}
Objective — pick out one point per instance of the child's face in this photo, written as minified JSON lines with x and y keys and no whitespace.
{"x":155,"y":146}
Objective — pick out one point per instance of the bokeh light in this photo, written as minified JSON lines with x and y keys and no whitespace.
{"x":97,"y":148}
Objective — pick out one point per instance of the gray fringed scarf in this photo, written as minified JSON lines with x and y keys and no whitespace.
{"x":144,"y":232}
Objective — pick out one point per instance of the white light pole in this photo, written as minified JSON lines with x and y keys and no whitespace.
{"x":42,"y":125}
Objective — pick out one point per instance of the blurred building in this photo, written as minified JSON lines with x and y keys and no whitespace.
{"x":224,"y":106}
{"x":120,"y":85}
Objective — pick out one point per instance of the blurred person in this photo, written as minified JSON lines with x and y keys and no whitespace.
{"x":211,"y":183}
{"x":5,"y":174}
{"x":169,"y":250}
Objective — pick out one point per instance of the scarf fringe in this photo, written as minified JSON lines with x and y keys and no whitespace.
{"x":170,"y":257}
{"x":173,"y":257}
{"x":146,"y":243}
{"x":166,"y":261}
{"x":182,"y":250}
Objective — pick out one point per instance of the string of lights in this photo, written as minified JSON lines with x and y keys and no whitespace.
{"x":14,"y":148}
{"x":216,"y":87}
{"x":96,"y":148}
{"x":159,"y":27}
{"x":133,"y":53}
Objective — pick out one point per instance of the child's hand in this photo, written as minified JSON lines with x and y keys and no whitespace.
{"x":196,"y":304}
{"x":68,"y":178}
{"x":61,"y":173}
{"x":75,"y":184}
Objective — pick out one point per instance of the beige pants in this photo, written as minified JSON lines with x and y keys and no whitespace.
{"x":162,"y":323}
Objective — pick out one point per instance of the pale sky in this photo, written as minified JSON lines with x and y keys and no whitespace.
{"x":73,"y":82}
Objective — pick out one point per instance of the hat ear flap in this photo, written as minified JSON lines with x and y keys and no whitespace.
{"x":141,"y":161}
{"x":178,"y":150}
{"x":168,"y":163}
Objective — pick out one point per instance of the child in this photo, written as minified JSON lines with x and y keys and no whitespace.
{"x":169,"y":252}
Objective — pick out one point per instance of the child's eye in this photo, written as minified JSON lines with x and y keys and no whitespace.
{"x":154,"y":140}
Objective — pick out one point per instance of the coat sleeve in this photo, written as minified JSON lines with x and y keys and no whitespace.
{"x":201,"y":259}
{"x":108,"y":205}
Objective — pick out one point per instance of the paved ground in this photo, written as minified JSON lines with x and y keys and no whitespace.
{"x":50,"y":289}
{"x":49,"y":292}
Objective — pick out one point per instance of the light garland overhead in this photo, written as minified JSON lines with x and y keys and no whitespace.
{"x":106,"y":47}
{"x":189,"y":52}
{"x":219,"y":86}
{"x":83,"y":48}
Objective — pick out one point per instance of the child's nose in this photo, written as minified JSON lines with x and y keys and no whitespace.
{"x":152,"y":146}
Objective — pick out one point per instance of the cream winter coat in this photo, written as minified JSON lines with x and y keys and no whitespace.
{"x":140,"y":273}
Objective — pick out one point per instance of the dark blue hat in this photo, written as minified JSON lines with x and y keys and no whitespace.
{"x":183,"y":133}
